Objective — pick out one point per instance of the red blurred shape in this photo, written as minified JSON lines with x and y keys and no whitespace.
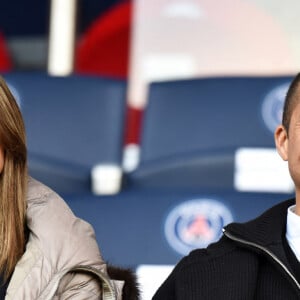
{"x":5,"y":59}
{"x":104,"y":48}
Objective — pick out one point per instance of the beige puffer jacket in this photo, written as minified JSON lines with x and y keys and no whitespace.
{"x":58,"y":241}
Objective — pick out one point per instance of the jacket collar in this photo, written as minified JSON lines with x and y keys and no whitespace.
{"x":265,"y":234}
{"x":267,"y":229}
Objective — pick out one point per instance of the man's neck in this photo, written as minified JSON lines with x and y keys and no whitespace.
{"x":297,"y":208}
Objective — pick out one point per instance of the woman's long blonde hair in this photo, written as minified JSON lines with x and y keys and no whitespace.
{"x":13,"y":182}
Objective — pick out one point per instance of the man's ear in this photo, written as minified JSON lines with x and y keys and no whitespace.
{"x":281,"y":141}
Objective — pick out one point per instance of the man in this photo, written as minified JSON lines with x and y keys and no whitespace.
{"x":254,"y":260}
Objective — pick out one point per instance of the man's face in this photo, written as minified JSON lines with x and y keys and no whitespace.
{"x":293,"y":145}
{"x":288,"y":145}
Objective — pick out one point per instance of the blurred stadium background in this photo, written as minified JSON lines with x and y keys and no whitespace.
{"x":154,"y":119}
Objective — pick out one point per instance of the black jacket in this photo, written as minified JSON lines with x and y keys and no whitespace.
{"x":248,"y":262}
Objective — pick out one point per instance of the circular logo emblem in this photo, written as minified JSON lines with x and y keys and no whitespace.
{"x":196,"y":224}
{"x":272,"y":106}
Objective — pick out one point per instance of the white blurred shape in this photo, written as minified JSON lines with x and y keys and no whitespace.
{"x":62,"y":37}
{"x":261,"y":170}
{"x":106,"y":179}
{"x":131,"y":157}
{"x":168,"y":66}
{"x":183,"y":9}
{"x":150,"y":277}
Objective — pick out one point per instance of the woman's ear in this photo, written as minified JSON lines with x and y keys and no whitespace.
{"x":282,"y":142}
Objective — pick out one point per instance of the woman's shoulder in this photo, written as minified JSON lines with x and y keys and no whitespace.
{"x":36,"y":189}
{"x":46,"y":210}
{"x":50,"y":219}
{"x":40,"y":196}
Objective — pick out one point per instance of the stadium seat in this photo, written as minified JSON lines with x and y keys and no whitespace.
{"x":193,"y":128}
{"x":73,"y":123}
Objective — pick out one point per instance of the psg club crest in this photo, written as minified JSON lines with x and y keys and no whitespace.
{"x":272,"y":107}
{"x":196,"y":224}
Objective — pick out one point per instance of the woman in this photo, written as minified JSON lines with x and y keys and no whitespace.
{"x":45,"y":251}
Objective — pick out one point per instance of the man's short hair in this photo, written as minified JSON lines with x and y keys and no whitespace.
{"x":290,"y":101}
